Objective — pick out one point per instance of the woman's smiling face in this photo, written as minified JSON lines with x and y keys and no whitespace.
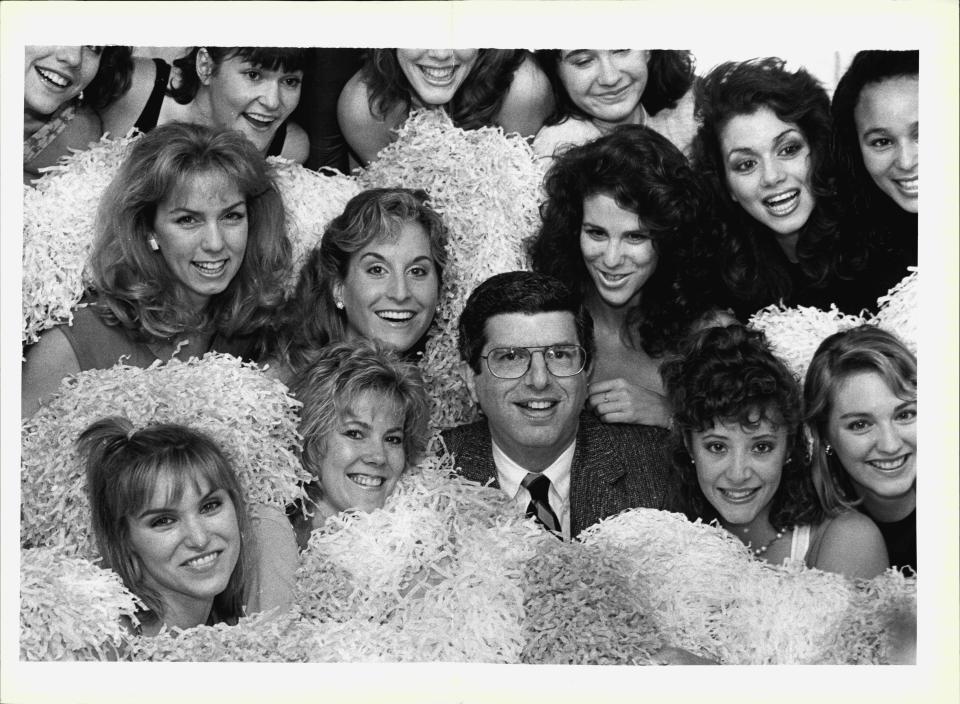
{"x":364,"y":455}
{"x":435,"y":75}
{"x":201,"y":230}
{"x":250,"y":98}
{"x":391,"y":289}
{"x":767,"y":164}
{"x":617,"y":250}
{"x":739,"y":468}
{"x":888,"y":128}
{"x":874,"y":433}
{"x":55,"y":75}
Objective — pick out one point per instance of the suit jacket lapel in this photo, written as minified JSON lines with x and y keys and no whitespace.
{"x":594,"y":468}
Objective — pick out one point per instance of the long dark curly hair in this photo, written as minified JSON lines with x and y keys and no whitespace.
{"x":476,"y":102}
{"x":670,"y":74}
{"x":879,"y":223}
{"x":748,"y":255}
{"x":647,"y":175}
{"x":730,"y":375}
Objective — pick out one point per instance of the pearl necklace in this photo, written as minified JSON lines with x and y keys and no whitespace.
{"x":763,"y":548}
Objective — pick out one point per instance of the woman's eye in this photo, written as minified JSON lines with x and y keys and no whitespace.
{"x":186,"y":220}
{"x":353,"y":434}
{"x":376,"y":270}
{"x":595,"y":233}
{"x":292,"y":81}
{"x":419,"y":271}
{"x":763,"y":447}
{"x":161,"y":521}
{"x":880,"y":143}
{"x":791,"y":149}
{"x":715,"y":447}
{"x":744,"y":166}
{"x":236,"y":215}
{"x":907,"y":414}
{"x":211,"y":506}
{"x":857,"y":425}
{"x":637,"y":237}
{"x":253,"y":74}
{"x":395,"y":439}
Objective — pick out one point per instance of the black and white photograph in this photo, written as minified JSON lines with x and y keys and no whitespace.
{"x":482,"y":373}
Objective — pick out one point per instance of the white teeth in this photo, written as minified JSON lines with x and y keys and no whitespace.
{"x":202,"y":561}
{"x":263,"y":119}
{"x":911,"y":185}
{"x":212,"y":268}
{"x":783,"y":204}
{"x":888,"y":464}
{"x":398,"y":315}
{"x":737,"y":494}
{"x":366,"y":480}
{"x":438,"y":74}
{"x":54,"y":78}
{"x":538,"y":405}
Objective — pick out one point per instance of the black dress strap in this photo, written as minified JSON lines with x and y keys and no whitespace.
{"x":151,"y":111}
{"x":276,"y":144}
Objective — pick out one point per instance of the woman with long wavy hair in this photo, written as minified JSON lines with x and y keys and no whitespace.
{"x":191,"y":255}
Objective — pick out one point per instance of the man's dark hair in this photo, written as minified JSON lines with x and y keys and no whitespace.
{"x":523,"y":292}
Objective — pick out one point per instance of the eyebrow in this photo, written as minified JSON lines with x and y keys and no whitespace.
{"x":776,"y":139}
{"x":573,"y":52}
{"x":380,"y":257}
{"x":181,"y":208}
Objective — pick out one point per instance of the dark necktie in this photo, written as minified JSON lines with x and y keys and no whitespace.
{"x":539,"y":486}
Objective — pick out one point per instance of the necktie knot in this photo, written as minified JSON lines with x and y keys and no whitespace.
{"x":539,"y":487}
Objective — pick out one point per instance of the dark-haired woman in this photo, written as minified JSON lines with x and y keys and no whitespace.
{"x":738,"y":454}
{"x":620,"y":221}
{"x":598,"y":89}
{"x":63,"y":87}
{"x":250,"y":89}
{"x":876,"y":146}
{"x":765,"y":143}
{"x":476,"y":87}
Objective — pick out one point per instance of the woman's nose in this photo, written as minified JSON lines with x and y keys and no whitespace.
{"x":212,"y":238}
{"x":70,"y":55}
{"x":270,"y":95}
{"x":889,"y":440}
{"x":908,"y":155}
{"x":772,"y":171}
{"x":375,"y":454}
{"x":440,"y":54}
{"x":612,"y":253}
{"x":609,"y":72}
{"x":399,"y":288}
{"x":197,"y":534}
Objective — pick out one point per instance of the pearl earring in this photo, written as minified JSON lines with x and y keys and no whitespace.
{"x":339,"y":304}
{"x":80,"y":97}
{"x":828,"y":449}
{"x":152,"y":241}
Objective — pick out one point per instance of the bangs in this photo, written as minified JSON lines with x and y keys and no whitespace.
{"x":751,"y":418}
{"x":272,"y":58}
{"x":162,"y":482}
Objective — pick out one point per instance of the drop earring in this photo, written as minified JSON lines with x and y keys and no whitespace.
{"x":152,"y":242}
{"x":828,"y":449}
{"x":339,"y":304}
{"x":80,"y":96}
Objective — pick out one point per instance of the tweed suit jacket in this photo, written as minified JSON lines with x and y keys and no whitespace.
{"x":615,"y":467}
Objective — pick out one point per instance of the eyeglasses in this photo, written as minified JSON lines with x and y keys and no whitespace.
{"x":513,"y":362}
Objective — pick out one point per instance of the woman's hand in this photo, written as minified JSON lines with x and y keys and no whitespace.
{"x":619,"y":401}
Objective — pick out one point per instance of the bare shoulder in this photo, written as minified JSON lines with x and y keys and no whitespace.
{"x":365,"y":133}
{"x":852,"y":545}
{"x":296,"y":146}
{"x":120,"y":115}
{"x":528,"y":102}
{"x":47,"y":362}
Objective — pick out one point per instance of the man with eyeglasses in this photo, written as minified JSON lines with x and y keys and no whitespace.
{"x":526,"y":342}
